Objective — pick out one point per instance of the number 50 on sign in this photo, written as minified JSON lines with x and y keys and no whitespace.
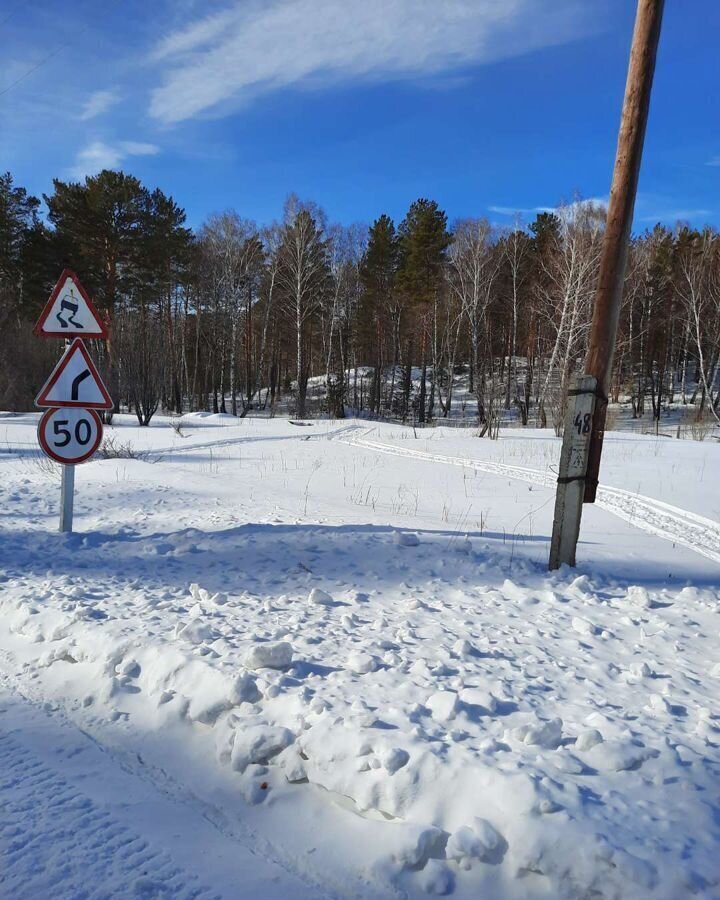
{"x":70,"y":435}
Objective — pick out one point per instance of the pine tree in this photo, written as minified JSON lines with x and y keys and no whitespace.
{"x":26,"y":266}
{"x":128,"y":246}
{"x":424,"y":240}
{"x":379,"y":309}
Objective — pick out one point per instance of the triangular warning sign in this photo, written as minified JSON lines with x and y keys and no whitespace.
{"x":75,"y":382}
{"x":70,"y":312}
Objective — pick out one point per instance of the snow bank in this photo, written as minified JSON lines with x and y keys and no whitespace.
{"x":443,"y":751}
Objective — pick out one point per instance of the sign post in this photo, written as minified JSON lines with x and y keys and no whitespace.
{"x":573,"y":469}
{"x":67,"y":496}
{"x":70,"y":430}
{"x":608,"y":298}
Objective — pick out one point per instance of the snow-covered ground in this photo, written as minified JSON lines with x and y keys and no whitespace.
{"x":328,"y":661}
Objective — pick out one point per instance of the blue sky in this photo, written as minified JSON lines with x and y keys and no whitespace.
{"x":491,"y":107}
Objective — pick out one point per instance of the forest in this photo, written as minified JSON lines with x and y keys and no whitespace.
{"x":383,"y":321}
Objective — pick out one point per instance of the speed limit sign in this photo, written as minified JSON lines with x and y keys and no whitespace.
{"x":70,"y":435}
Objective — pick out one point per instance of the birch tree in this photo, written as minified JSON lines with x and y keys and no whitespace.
{"x":303,"y":275}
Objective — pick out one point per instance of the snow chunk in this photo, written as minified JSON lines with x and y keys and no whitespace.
{"x":417,"y":844}
{"x":244,"y":690}
{"x":659,"y":704}
{"x":406,"y":539}
{"x":269,"y":656}
{"x":619,"y":756}
{"x":478,"y":841}
{"x":639,"y":596}
{"x":586,"y":740}
{"x":582,"y":626}
{"x":361,"y":663}
{"x":640,"y":670}
{"x":474,"y":696}
{"x":394,"y":758}
{"x":547,"y":735}
{"x":258,"y":744}
{"x":463,"y":844}
{"x":443,"y":705}
{"x":130,"y":668}
{"x":463,"y":649}
{"x":293,"y":764}
{"x":195,"y":632}
{"x":320,"y":597}
{"x":437,"y":878}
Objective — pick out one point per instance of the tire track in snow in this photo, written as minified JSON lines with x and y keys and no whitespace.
{"x":70,"y":831}
{"x":57,"y":842}
{"x":645,"y":513}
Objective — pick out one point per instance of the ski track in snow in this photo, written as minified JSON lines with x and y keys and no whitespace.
{"x":230,"y":442}
{"x":653,"y":516}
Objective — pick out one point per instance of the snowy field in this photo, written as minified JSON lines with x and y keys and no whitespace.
{"x":278,"y":661}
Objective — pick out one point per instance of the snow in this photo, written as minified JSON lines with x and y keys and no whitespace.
{"x":443,"y":705}
{"x":269,"y":656}
{"x":257,"y":743}
{"x":75,"y":823}
{"x":477,"y":841}
{"x":318,"y":595}
{"x":331,"y":662}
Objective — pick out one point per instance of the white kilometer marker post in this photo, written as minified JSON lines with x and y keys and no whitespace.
{"x":70,"y":431}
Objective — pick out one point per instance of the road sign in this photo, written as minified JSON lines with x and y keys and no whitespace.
{"x":70,"y":312}
{"x":70,"y":436}
{"x":75,"y":382}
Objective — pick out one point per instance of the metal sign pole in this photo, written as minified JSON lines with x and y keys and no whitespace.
{"x":67,"y":487}
{"x":67,"y":496}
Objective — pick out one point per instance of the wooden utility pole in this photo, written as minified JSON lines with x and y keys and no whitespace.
{"x":608,"y":299}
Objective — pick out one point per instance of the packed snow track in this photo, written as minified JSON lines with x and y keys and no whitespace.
{"x":679,"y":526}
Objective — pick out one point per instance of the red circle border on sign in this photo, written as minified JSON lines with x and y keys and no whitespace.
{"x":46,"y":447}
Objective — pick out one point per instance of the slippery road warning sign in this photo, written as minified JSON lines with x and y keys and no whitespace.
{"x":70,"y":312}
{"x":70,"y":436}
{"x":75,"y":382}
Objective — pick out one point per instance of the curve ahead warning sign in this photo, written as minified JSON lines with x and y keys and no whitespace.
{"x":70,"y":436}
{"x":75,"y":382}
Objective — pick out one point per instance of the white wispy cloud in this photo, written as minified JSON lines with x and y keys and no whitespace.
{"x":97,"y":103}
{"x":520,"y":211}
{"x":561,"y":209}
{"x":679,"y":214}
{"x":99,"y":155}
{"x":649,"y":208}
{"x":252,"y":48}
{"x":715,"y":161}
